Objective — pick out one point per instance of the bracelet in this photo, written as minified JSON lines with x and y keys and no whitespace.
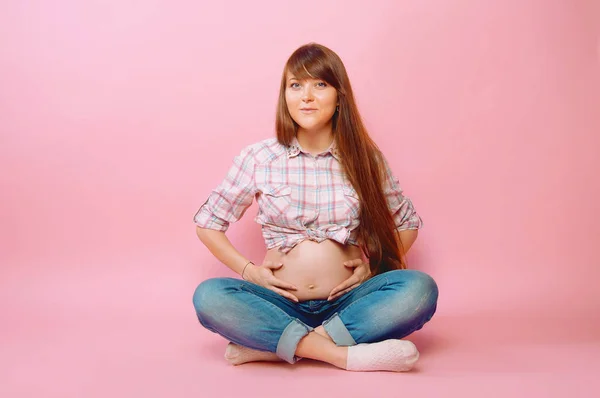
{"x":248,"y":263}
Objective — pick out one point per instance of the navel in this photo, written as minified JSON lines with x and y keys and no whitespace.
{"x":311,"y":286}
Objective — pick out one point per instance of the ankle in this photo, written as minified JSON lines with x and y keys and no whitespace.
{"x":321,"y":332}
{"x":340,"y":358}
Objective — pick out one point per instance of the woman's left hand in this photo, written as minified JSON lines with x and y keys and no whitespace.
{"x":361,"y":273}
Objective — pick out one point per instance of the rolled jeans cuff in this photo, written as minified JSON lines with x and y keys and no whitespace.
{"x":338,"y":332}
{"x":291,"y":336}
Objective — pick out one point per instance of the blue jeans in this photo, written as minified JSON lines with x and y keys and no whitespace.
{"x":390,"y":305}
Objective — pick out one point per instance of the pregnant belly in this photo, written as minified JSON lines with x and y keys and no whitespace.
{"x":314,"y":268}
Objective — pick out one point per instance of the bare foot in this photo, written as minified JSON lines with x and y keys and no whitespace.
{"x":237,"y":355}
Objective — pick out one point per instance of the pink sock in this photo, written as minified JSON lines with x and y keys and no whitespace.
{"x":389,"y":355}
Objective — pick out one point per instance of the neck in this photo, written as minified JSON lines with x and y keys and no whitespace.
{"x":315,"y":141}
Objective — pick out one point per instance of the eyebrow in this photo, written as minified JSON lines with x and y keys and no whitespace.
{"x":295,"y":78}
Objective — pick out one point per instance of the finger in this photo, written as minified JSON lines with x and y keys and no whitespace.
{"x":344,"y":285}
{"x":337,"y":289}
{"x":284,"y":293}
{"x":272,"y":265}
{"x":341,"y":293}
{"x":353,"y":263}
{"x":344,"y":291}
{"x":279,"y":283}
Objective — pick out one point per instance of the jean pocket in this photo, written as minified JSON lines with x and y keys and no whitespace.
{"x":261,"y":291}
{"x":363,"y":290}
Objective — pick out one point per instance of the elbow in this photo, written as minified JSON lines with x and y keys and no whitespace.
{"x":205,"y":234}
{"x":201,"y":232}
{"x":407,"y":237}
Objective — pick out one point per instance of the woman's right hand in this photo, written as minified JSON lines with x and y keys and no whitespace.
{"x":263,"y":275}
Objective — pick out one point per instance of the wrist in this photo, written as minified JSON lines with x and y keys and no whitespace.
{"x":249,"y":264}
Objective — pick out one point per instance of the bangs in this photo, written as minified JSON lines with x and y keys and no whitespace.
{"x":309,"y":62}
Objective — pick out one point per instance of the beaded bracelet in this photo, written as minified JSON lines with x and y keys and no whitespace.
{"x":248,"y":263}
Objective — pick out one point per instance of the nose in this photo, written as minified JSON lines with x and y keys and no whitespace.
{"x":307,"y":95}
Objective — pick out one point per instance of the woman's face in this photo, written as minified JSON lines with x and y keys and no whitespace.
{"x":311,"y":102}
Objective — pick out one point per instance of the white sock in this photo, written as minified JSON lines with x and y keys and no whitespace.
{"x":389,"y":355}
{"x":237,"y":355}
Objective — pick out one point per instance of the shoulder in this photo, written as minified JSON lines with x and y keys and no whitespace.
{"x":264,"y":151}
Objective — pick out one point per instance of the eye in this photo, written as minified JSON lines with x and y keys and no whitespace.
{"x":322,"y":84}
{"x":294,"y":85}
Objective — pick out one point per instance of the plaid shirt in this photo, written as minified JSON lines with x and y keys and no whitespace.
{"x":299,"y":196}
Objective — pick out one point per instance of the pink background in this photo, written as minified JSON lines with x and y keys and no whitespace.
{"x":118,"y":117}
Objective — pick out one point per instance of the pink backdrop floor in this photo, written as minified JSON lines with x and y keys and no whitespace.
{"x":130,"y":331}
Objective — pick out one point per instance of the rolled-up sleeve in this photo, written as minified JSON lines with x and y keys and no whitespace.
{"x":402,"y":209}
{"x":228,"y":202}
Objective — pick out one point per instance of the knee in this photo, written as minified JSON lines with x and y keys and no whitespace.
{"x":210,"y":294}
{"x":420,"y":284}
{"x":425,"y":286}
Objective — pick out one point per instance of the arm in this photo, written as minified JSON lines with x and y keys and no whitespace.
{"x":406,"y":218}
{"x":407,"y":237}
{"x":220,"y":247}
{"x":226,"y":204}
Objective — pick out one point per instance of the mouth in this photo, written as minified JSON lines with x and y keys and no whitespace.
{"x":308,"y":110}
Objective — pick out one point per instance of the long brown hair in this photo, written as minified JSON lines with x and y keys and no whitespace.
{"x":361,"y":159}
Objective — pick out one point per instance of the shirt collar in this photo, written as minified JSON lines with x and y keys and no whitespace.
{"x":294,"y":149}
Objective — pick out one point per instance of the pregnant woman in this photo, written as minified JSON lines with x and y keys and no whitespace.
{"x":333,"y":285}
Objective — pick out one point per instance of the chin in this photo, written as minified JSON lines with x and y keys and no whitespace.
{"x":309,"y":126}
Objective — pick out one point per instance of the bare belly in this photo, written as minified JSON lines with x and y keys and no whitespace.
{"x":314,"y":268}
